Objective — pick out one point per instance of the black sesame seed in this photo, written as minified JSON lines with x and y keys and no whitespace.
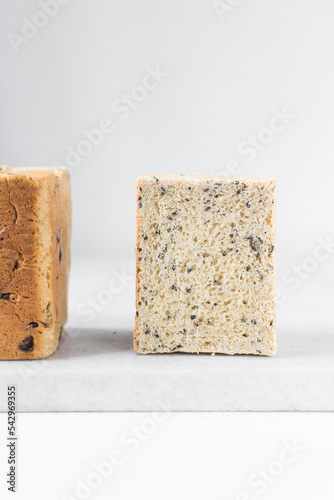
{"x":248,"y":268}
{"x":193,"y":316}
{"x":169,"y":217}
{"x":140,"y":205}
{"x":163,"y":191}
{"x":215,"y":304}
{"x":137,"y":314}
{"x":145,"y":238}
{"x":196,"y":324}
{"x":206,"y":190}
{"x":5,"y":296}
{"x":189,"y":269}
{"x":156,"y":179}
{"x":33,"y":324}
{"x":158,"y":231}
{"x":271,"y":250}
{"x":248,"y":205}
{"x":175,"y":213}
{"x":207,"y":208}
{"x":188,"y":290}
{"x":258,"y":255}
{"x":187,"y":199}
{"x":156,"y":335}
{"x":173,"y":267}
{"x":60,"y":254}
{"x":140,"y":250}
{"x":254,"y":322}
{"x":174,"y":287}
{"x":140,"y":189}
{"x":139,"y":197}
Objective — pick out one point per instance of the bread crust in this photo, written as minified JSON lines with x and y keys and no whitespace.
{"x":138,"y":267}
{"x":35,"y":225}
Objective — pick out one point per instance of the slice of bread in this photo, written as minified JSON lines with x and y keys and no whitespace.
{"x":35,"y":233}
{"x":205,"y":265}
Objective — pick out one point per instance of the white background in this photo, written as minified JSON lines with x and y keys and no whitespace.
{"x":195,"y":456}
{"x":227,"y":74}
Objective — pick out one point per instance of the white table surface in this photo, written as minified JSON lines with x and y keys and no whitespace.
{"x":96,"y":369}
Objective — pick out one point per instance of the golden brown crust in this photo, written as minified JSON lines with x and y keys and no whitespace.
{"x":34,"y":204}
{"x":138,"y":267}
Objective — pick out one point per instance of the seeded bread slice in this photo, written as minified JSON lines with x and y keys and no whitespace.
{"x":35,"y":232}
{"x":205,"y":265}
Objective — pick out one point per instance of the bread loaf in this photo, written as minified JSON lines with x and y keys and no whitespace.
{"x":35,"y":232}
{"x":205,"y":265}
